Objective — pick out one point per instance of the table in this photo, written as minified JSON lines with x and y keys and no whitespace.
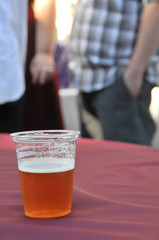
{"x":116,"y":195}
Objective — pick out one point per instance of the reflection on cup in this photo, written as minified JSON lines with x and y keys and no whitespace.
{"x":46,"y":161}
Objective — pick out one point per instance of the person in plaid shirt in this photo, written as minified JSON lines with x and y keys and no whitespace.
{"x":113,"y":61}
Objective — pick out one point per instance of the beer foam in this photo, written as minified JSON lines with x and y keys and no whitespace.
{"x":46,"y":166}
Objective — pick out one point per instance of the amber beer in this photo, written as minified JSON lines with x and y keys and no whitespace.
{"x":46,"y":160}
{"x":47,"y":192}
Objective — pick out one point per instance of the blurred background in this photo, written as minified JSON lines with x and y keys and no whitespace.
{"x":68,"y":96}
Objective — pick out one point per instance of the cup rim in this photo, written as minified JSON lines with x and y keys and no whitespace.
{"x":44,"y":135}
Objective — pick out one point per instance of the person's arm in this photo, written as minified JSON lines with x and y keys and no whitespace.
{"x":148,"y":39}
{"x":42,"y":64}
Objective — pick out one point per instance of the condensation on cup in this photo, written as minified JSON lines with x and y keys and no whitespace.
{"x":46,"y":162}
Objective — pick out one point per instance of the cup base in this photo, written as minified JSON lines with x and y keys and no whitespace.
{"x":46,"y":214}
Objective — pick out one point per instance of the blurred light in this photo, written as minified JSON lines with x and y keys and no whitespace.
{"x":39,"y":5}
{"x":63,"y":19}
{"x":154,"y":106}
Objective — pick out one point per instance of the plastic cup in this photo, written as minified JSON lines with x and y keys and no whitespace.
{"x":46,"y":161}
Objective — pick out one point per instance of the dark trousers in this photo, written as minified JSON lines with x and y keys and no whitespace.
{"x":122,"y":117}
{"x":11,"y":116}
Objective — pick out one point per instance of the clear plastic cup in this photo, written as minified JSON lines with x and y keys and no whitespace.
{"x":46,"y":161}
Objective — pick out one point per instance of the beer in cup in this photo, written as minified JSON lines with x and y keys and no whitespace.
{"x":46,"y":161}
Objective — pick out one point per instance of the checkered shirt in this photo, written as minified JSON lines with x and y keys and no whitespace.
{"x":102,"y":42}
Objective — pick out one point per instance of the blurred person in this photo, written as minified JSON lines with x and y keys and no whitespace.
{"x":42,"y":107}
{"x":42,"y":64}
{"x":13,"y":49}
{"x":13,"y":42}
{"x":114,"y":53}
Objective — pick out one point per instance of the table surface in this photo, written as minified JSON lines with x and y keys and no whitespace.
{"x":116,"y":195}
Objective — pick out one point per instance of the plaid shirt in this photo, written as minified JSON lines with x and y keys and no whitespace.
{"x":102,"y":42}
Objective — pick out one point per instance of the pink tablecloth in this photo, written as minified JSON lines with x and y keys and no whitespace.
{"x":116,"y":195}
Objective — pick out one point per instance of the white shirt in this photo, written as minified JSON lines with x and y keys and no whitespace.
{"x":13,"y":43}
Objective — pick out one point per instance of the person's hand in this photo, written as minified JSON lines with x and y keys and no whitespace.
{"x":133,"y":81}
{"x":42,"y":67}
